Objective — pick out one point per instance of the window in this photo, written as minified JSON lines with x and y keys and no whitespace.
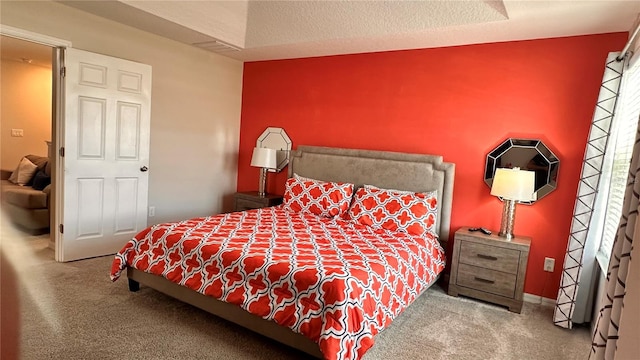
{"x":614,"y":179}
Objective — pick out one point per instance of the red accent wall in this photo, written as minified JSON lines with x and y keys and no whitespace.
{"x":457,"y":101}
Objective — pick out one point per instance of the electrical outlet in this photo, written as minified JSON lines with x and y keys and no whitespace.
{"x":17,"y":132}
{"x":549,"y":264}
{"x":152,"y":211}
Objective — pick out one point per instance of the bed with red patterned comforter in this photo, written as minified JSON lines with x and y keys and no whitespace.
{"x":336,"y":282}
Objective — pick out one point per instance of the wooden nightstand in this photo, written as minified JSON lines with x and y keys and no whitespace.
{"x":489,"y":268}
{"x":251,"y":200}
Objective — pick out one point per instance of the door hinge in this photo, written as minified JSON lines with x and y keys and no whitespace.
{"x":63,"y":71}
{"x":62,"y":151}
{"x":61,"y":228}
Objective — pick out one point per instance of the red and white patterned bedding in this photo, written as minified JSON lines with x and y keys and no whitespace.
{"x":334,"y":281}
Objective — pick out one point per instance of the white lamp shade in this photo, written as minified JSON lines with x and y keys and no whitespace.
{"x":264,"y":158}
{"x":514,"y":184}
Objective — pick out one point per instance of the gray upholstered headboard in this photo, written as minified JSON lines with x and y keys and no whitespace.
{"x":390,"y":170}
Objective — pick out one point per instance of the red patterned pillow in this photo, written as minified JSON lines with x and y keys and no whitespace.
{"x":321,"y":198}
{"x":414,"y":213}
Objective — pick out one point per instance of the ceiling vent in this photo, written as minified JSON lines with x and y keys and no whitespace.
{"x":217,"y":46}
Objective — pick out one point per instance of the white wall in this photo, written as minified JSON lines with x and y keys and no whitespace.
{"x":25,"y":95}
{"x":195,"y":115}
{"x":229,"y":23}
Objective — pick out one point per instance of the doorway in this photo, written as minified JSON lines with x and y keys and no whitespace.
{"x":26,"y":131}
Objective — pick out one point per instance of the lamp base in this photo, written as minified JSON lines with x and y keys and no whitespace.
{"x":262,"y":185}
{"x":508,"y":219}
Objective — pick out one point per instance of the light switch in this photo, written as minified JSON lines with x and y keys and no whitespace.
{"x":17,"y":132}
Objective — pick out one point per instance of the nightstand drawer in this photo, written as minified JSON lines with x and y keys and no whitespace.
{"x":251,"y":200}
{"x":243,"y":204}
{"x":490,"y":257}
{"x":486,"y":280}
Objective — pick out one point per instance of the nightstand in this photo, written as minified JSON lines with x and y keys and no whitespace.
{"x":489,"y":268}
{"x":251,"y":200}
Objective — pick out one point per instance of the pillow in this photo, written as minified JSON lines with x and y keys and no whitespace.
{"x":413,"y":213}
{"x":302,"y":178}
{"x":30,"y":182}
{"x":393,"y":190}
{"x":41,"y":180}
{"x":322,"y":198}
{"x":24,"y":172}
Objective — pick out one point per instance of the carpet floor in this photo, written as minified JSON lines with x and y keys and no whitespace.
{"x":73,"y":311}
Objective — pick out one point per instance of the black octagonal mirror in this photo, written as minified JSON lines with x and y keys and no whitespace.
{"x":527,"y":154}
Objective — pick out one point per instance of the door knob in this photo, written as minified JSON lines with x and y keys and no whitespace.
{"x":144,"y":168}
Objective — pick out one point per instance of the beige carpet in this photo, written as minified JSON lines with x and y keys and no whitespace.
{"x":73,"y":311}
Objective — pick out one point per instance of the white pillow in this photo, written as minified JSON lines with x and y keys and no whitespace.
{"x":403,"y":192}
{"x":25,"y":171}
{"x":302,"y":178}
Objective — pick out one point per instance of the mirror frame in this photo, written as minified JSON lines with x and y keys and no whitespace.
{"x":531,"y":146}
{"x":276,"y":138}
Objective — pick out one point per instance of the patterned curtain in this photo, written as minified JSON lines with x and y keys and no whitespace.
{"x":587,"y":189}
{"x":605,"y":336}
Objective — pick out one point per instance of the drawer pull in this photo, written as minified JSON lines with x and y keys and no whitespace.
{"x":487,"y":257}
{"x":484,"y":280}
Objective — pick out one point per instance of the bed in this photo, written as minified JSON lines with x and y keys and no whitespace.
{"x":416,"y":260}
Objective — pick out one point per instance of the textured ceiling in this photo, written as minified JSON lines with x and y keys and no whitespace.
{"x":262,"y":30}
{"x":288,"y":22}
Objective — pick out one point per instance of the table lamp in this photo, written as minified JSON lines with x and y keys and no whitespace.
{"x":512,"y":185}
{"x":264,"y":158}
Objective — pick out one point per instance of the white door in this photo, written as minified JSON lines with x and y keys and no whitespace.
{"x":107,"y":104}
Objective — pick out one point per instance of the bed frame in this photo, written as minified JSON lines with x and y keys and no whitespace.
{"x":391,"y":170}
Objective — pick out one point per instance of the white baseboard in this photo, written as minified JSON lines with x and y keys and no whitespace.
{"x":535,"y":299}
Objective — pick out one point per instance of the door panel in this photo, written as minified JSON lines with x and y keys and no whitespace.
{"x":126,"y":205}
{"x":90,"y":209}
{"x":106,"y":139}
{"x":91,"y":126}
{"x":128,"y":131}
{"x":92,"y":74}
